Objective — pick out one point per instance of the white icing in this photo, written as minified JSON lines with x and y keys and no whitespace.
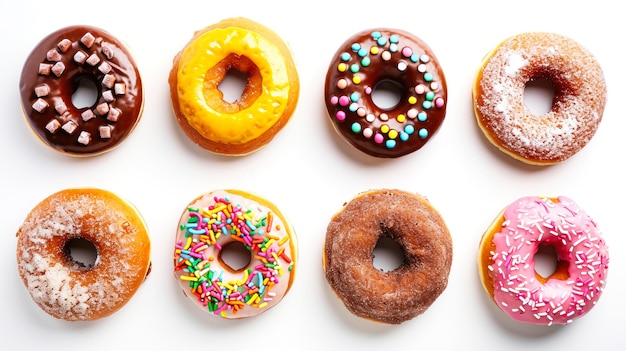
{"x":280,"y":229}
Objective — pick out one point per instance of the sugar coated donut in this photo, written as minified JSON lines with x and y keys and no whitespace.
{"x":577,"y":107}
{"x":54,"y":71}
{"x":401,"y":294}
{"x":65,"y":287}
{"x":267,"y":102}
{"x":507,"y":266}
{"x":373,"y":59}
{"x":224,"y":220}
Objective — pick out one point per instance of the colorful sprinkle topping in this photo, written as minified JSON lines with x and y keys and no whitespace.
{"x":206,"y":231}
{"x":425,"y":96}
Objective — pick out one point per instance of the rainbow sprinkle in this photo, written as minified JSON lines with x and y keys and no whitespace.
{"x":231,"y":222}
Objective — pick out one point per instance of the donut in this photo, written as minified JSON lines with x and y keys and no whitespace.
{"x":68,"y":288}
{"x":54,"y":71}
{"x":240,"y":225}
{"x":378,"y":58}
{"x":507,"y":266}
{"x":268,"y":99}
{"x":398,"y":295}
{"x":577,"y":107}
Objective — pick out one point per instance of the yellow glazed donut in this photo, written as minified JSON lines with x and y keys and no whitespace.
{"x":223,"y":220}
{"x":66,"y":288}
{"x":267,"y":102}
{"x":577,"y":107}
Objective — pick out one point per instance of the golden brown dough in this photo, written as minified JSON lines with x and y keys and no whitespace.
{"x":63,"y":287}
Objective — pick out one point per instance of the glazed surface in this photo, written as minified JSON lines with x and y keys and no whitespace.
{"x":392,"y":296}
{"x":378,"y":56}
{"x":581,"y":251}
{"x":577,"y":107}
{"x":53,"y":72}
{"x":66,"y":289}
{"x":267,"y":102}
{"x":223,"y":217}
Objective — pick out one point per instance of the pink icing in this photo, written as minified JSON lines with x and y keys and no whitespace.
{"x":529,"y":222}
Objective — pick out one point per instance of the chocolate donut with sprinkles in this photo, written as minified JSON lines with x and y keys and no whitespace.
{"x":227,"y":223}
{"x":506,"y":261}
{"x":371,"y":60}
{"x":54,"y":72}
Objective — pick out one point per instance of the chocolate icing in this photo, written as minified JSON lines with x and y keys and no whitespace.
{"x":377,"y":56}
{"x":81,"y":52}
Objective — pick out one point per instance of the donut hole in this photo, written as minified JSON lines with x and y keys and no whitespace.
{"x":539,"y":96}
{"x":387,"y":255}
{"x":81,"y":253}
{"x":233,"y":85}
{"x":234,"y":256}
{"x":548,"y":265}
{"x":387,"y":94}
{"x":85,"y":93}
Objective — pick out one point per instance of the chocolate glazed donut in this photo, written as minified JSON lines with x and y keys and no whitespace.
{"x":54,"y":71}
{"x":373,"y":58}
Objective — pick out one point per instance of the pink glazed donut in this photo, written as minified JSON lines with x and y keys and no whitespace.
{"x":507,"y":265}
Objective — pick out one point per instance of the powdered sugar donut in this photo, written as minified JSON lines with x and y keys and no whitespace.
{"x":577,"y":107}
{"x":66,"y":288}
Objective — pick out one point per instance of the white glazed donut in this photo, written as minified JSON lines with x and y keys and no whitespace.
{"x":221,"y":218}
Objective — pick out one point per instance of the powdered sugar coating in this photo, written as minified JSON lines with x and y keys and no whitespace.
{"x":64,"y":288}
{"x":578,"y":105}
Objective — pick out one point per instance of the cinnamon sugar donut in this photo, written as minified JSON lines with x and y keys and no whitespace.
{"x":66,"y":288}
{"x":577,"y":107}
{"x":399,"y":295}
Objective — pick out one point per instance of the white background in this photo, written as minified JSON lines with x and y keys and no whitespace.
{"x":309,"y":173}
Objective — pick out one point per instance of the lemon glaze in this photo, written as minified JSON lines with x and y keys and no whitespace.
{"x":249,"y":123}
